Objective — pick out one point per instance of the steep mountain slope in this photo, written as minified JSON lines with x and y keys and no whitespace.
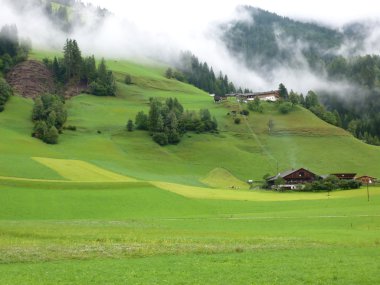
{"x":246,"y":151}
{"x":348,"y":78}
{"x":269,"y":39}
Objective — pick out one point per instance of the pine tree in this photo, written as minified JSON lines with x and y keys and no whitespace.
{"x":169,"y":73}
{"x":283,"y":91}
{"x":72,"y":59}
{"x":338,"y":119}
{"x":130,"y":126}
{"x":102,"y":71}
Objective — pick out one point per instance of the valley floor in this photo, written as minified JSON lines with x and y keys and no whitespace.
{"x":136,"y":233}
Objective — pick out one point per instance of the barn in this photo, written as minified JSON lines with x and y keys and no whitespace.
{"x":365,"y":179}
{"x":294,"y":177}
{"x":345,"y":176}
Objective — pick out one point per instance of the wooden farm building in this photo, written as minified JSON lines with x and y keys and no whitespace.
{"x":218,"y":99}
{"x":294,"y":177}
{"x":345,"y":176}
{"x":271,"y":96}
{"x":365,"y":179}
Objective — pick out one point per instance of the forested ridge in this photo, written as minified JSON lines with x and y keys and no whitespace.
{"x":271,"y":41}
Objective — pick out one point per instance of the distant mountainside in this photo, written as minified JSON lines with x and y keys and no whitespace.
{"x":266,"y":41}
{"x":65,"y":15}
{"x":269,"y":39}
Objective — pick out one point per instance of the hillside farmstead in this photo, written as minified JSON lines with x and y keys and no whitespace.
{"x":293,"y":178}
{"x":270,"y":96}
{"x":296,"y":179}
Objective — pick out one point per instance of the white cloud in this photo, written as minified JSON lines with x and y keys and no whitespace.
{"x":159,"y":29}
{"x":200,"y":12}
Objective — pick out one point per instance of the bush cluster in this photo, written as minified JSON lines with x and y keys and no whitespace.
{"x":167,"y":121}
{"x":49,"y":115}
{"x":332,"y":183}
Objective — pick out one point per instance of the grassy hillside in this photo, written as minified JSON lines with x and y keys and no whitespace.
{"x":107,"y":206}
{"x":245,"y":151}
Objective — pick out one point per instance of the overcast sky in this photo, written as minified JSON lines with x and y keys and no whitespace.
{"x":333,"y":12}
{"x":160,"y":29}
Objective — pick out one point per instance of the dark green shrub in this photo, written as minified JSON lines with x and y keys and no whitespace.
{"x":160,"y":138}
{"x":70,"y":128}
{"x":285,"y":108}
{"x":51,"y":136}
{"x":244,"y":112}
{"x":128,"y":79}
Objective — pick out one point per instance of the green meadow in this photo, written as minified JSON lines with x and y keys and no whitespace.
{"x":107,"y":206}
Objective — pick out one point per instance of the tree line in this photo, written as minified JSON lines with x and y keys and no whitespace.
{"x":167,"y":121}
{"x":360,"y":110}
{"x":69,"y":14}
{"x":74,"y":69}
{"x":12,"y":52}
{"x":311,"y":102}
{"x":12,"y":49}
{"x":191,"y":70}
{"x":271,"y":42}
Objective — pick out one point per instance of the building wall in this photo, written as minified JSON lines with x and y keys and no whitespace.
{"x":300,"y":176}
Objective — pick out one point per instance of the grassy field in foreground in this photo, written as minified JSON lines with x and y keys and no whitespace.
{"x":104,"y":233}
{"x":308,"y":266}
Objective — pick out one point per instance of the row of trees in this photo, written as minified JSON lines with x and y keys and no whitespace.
{"x":12,"y":50}
{"x":363,"y":123}
{"x":359,"y":110}
{"x":202,"y":76}
{"x":362,"y":70}
{"x":70,"y":14}
{"x":272,"y":40}
{"x":167,"y":121}
{"x":74,"y":69}
{"x":49,"y":115}
{"x":60,"y":16}
{"x":332,"y":183}
{"x":355,"y":118}
{"x":311,"y":102}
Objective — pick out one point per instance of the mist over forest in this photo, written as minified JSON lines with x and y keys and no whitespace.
{"x":255,"y":48}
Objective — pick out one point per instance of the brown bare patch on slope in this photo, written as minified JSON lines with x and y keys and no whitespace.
{"x":31,"y":78}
